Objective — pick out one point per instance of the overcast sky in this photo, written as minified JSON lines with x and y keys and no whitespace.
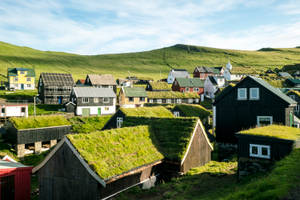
{"x":118,"y":26}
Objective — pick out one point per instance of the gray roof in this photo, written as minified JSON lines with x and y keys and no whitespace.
{"x":5,"y":164}
{"x":102,"y":79}
{"x":57,"y":79}
{"x":285,"y":74}
{"x":93,"y":92}
{"x":180,"y":73}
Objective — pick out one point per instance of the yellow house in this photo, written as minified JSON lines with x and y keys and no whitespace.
{"x":21,"y":78}
{"x":132,"y":97}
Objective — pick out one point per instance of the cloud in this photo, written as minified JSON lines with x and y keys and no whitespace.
{"x":291,"y":7}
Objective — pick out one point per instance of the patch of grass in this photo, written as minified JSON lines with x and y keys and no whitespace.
{"x":18,"y":95}
{"x":207,"y":103}
{"x":44,"y":109}
{"x":155,"y":111}
{"x":160,"y":85}
{"x":190,"y":110}
{"x":88,"y":124}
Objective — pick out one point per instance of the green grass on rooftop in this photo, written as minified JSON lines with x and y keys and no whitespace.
{"x":88,"y":124}
{"x":113,"y":152}
{"x":190,"y":110}
{"x":155,"y":111}
{"x":159,"y":85}
{"x":39,"y":122}
{"x":276,"y":131}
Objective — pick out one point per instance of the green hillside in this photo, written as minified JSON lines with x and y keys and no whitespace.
{"x":148,"y":63}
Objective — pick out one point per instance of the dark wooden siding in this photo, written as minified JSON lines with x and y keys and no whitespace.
{"x":112,"y":123}
{"x":91,"y":102}
{"x":64,"y":177}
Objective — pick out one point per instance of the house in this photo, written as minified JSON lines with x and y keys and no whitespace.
{"x":259,"y":148}
{"x":122,"y":114}
{"x":158,"y":86}
{"x":188,"y":85}
{"x":177,"y":73}
{"x":35,"y":134}
{"x":204,"y":72}
{"x":94,"y":167}
{"x":55,"y":88}
{"x":80,"y":82}
{"x":212,"y":85}
{"x":171,"y":97}
{"x":284,"y":75}
{"x":10,"y":109}
{"x":252,"y":102}
{"x":229,"y":75}
{"x":293,"y":82}
{"x":21,"y":78}
{"x":101,"y":81}
{"x":131,"y":97}
{"x":295,"y":95}
{"x":93,"y":101}
{"x":15,"y":180}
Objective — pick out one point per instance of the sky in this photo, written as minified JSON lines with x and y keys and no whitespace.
{"x":92,"y":27}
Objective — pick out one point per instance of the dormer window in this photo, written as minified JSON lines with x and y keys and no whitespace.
{"x":242,"y":93}
{"x":254,"y":93}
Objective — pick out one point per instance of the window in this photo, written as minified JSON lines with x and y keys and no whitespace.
{"x":142,"y":98}
{"x":264,"y":120}
{"x":119,"y":122}
{"x":168,"y":100}
{"x":178,"y":100}
{"x":16,"y":78}
{"x":197,"y":100}
{"x":190,"y":100}
{"x":23,"y":109}
{"x":85,"y":100}
{"x":105,"y":100}
{"x":159,"y":101}
{"x":242,"y":93}
{"x":150,"y":100}
{"x":196,"y":89}
{"x":22,"y":72}
{"x":96,"y":100}
{"x":106,"y":108}
{"x":3,"y":110}
{"x":260,"y":151}
{"x":254,"y":93}
{"x":29,"y":85}
{"x":297,"y":108}
{"x":176,"y":114}
{"x":16,"y":85}
{"x":55,"y":89}
{"x":131,"y":99}
{"x":28,"y":79}
{"x":187,"y":89}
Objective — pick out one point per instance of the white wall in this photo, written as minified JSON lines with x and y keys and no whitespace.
{"x":14,"y":111}
{"x":94,"y":110}
{"x":12,"y":85}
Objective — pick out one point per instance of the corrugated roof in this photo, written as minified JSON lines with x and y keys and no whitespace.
{"x":14,"y":71}
{"x":94,"y":92}
{"x":5,"y":164}
{"x":135,"y":92}
{"x":102,"y":79}
{"x":190,"y":82}
{"x":57,"y":79}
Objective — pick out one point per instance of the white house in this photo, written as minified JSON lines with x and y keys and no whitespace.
{"x":177,"y":73}
{"x":212,"y":84}
{"x":229,"y":76}
{"x":13,"y":110}
{"x":94,"y":101}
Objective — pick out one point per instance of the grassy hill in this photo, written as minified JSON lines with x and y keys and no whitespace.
{"x":148,"y":63}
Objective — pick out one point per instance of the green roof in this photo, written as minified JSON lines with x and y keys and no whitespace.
{"x":38,"y":122}
{"x":155,"y":111}
{"x":172,"y":95}
{"x":112,"y":152}
{"x":276,"y":131}
{"x":14,"y":71}
{"x":190,"y":82}
{"x":190,"y":110}
{"x":294,"y":80}
{"x":294,"y":92}
{"x":160,"y":85}
{"x":135,"y":92}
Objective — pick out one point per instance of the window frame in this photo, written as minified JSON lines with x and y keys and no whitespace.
{"x":96,"y":100}
{"x":168,"y":101}
{"x":187,"y":89}
{"x":142,"y":99}
{"x":178,"y":101}
{"x":84,"y":100}
{"x":131,"y":99}
{"x":238,"y":94}
{"x":28,"y":79}
{"x":119,"y":122}
{"x":158,"y":100}
{"x":105,"y":100}
{"x":196,"y":89}
{"x":258,"y":120}
{"x":29,"y":85}
{"x":251,"y":93}
{"x":176,"y":114}
{"x":259,"y":151}
{"x":23,"y":108}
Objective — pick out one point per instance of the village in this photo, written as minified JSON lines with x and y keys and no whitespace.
{"x":99,"y":137}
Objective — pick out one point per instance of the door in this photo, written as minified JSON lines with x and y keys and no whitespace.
{"x":60,"y":100}
{"x":291,"y":119}
{"x":85,"y":112}
{"x":7,"y":187}
{"x":22,"y":86}
{"x":99,"y":111}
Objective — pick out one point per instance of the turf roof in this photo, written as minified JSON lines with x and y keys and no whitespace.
{"x":113,"y":152}
{"x":172,"y":95}
{"x":160,"y":85}
{"x":155,"y":111}
{"x":190,"y":110}
{"x":276,"y":131}
{"x":135,"y":92}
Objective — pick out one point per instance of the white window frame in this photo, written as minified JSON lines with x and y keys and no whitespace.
{"x":158,"y":100}
{"x":142,"y":99}
{"x":28,"y":79}
{"x":259,"y":151}
{"x":119,"y":122}
{"x":197,"y":100}
{"x":96,"y":100}
{"x":150,"y":100}
{"x":297,"y":108}
{"x":251,"y":93}
{"x":178,"y":100}
{"x":29,"y":85}
{"x":259,"y":117}
{"x":16,"y":79}
{"x":84,"y":99}
{"x":190,"y":100}
{"x":168,"y":101}
{"x":239,"y":96}
{"x":187,"y":89}
{"x":22,"y":72}
{"x":196,"y":89}
{"x":105,"y":100}
{"x":176,"y":114}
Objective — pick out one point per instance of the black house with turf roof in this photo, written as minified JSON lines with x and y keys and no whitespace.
{"x":86,"y":166}
{"x":251,"y":102}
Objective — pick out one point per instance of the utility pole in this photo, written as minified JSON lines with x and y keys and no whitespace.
{"x":34,"y":110}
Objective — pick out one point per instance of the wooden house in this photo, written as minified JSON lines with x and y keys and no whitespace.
{"x":188,"y":85}
{"x":293,"y":82}
{"x":131,"y":97}
{"x":55,"y":88}
{"x":177,"y":73}
{"x":101,"y":81}
{"x":203,"y":72}
{"x":21,"y":78}
{"x":158,"y":86}
{"x":36,"y":134}
{"x":81,"y":168}
{"x":10,"y":109}
{"x":94,"y":101}
{"x":252,"y":102}
{"x":15,"y":180}
{"x":259,"y":148}
{"x":212,"y":84}
{"x":171,"y":97}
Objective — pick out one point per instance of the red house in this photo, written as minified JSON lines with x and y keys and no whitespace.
{"x":188,"y":85}
{"x":204,"y":72}
{"x":15,"y":180}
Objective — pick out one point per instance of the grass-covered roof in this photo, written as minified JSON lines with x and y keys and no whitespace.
{"x":38,"y":122}
{"x":159,"y":85}
{"x":113,"y":152}
{"x":296,"y":92}
{"x":155,"y":111}
{"x":276,"y":131}
{"x":135,"y":92}
{"x":172,"y":95}
{"x":190,"y":110}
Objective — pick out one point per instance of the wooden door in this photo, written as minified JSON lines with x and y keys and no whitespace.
{"x":7,"y":187}
{"x":99,"y":111}
{"x":85,"y":112}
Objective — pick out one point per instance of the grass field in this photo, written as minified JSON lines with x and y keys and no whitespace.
{"x":148,"y":63}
